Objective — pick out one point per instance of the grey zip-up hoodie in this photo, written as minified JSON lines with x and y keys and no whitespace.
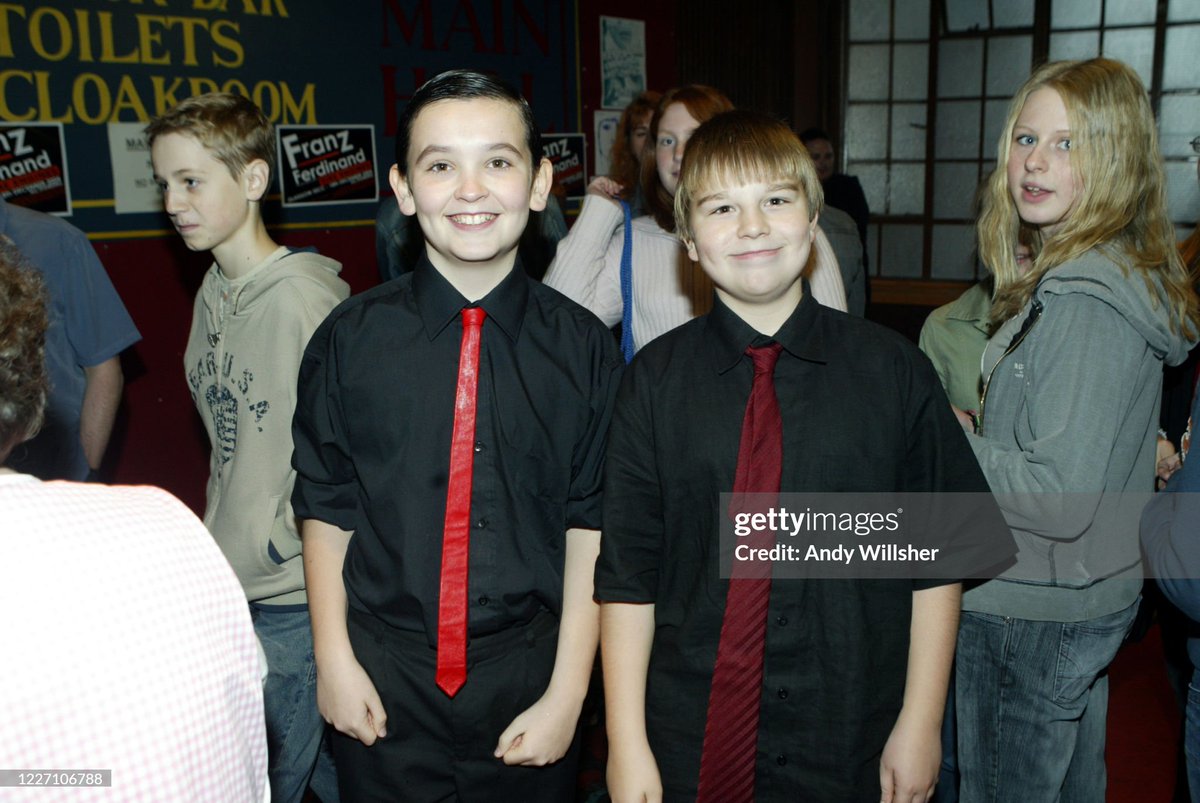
{"x":1070,"y":414}
{"x":242,"y":360}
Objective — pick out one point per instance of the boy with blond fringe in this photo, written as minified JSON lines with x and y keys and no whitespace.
{"x":845,"y":705}
{"x":256,"y":309}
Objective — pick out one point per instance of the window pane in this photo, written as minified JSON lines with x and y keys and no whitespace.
{"x":995,"y":112}
{"x":910,"y":72}
{"x":1183,"y":196}
{"x":960,"y":68}
{"x":1009,"y":59}
{"x":1075,"y":13}
{"x":1129,"y":12}
{"x":866,"y":131}
{"x":868,"y":72}
{"x":1135,"y":47}
{"x":957,"y":130}
{"x":908,"y":131}
{"x":963,"y":15}
{"x":1178,"y":122}
{"x":1179,"y":57}
{"x":953,"y":252}
{"x":906,"y":191}
{"x":869,"y":19}
{"x":1181,"y":10}
{"x":1014,"y":14}
{"x":912,"y":19}
{"x":901,"y":252}
{"x":1082,"y":45}
{"x":873,"y":178}
{"x":954,"y":189}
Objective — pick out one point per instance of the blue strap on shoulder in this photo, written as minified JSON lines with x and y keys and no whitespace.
{"x":627,"y":285}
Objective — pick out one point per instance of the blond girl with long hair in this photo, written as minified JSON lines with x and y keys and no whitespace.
{"x":1069,"y":415}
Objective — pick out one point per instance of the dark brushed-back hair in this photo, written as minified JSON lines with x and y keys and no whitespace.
{"x":464,"y":85}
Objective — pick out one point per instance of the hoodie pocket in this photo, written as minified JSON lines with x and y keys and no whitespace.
{"x":277,"y":545}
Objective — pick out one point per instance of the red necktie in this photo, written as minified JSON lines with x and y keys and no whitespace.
{"x":452,"y":598}
{"x":731,"y":730}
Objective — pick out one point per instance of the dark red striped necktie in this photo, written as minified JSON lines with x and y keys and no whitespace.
{"x":731,"y":729}
{"x":452,"y":596}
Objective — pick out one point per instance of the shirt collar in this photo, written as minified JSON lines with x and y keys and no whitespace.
{"x":728,"y":336}
{"x":439,"y":303}
{"x":973,"y":307}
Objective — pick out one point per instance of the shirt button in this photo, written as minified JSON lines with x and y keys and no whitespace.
{"x":781,"y":760}
{"x":484,"y":600}
{"x":783,"y":694}
{"x":478,"y":446}
{"x":782,"y":620}
{"x":481,"y":523}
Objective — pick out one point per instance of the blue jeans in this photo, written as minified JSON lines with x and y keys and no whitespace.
{"x":1191,"y":740}
{"x":1032,"y":707}
{"x":298,"y":752}
{"x":946,"y":790}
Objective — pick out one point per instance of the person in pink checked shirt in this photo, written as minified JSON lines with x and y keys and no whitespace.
{"x":128,"y":661}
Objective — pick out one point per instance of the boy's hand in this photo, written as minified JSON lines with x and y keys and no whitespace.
{"x":908,"y":770}
{"x":541,"y":734}
{"x":347,"y":700}
{"x":633,"y":773}
{"x":605,"y":187}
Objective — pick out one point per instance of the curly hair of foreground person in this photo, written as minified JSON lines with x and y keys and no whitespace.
{"x":23,"y":322}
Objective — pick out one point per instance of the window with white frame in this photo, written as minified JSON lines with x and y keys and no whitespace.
{"x":927,"y":86}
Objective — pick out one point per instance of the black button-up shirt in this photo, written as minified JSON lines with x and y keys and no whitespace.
{"x":372,"y":443}
{"x":862,"y":412}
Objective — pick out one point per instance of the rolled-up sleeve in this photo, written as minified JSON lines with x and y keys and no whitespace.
{"x":627,"y":569}
{"x":585,"y":499}
{"x":327,"y":486}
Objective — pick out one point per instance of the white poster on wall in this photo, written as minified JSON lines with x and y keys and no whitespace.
{"x":134,"y":189}
{"x":622,"y":61}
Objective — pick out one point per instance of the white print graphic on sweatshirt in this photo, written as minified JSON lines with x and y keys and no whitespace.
{"x":225,"y":395}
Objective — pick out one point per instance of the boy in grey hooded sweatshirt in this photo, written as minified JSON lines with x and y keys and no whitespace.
{"x":255,"y":312}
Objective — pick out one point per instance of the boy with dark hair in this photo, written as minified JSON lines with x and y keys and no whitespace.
{"x":256,"y":309}
{"x":449,"y":442}
{"x":757,"y":689}
{"x":841,"y":191}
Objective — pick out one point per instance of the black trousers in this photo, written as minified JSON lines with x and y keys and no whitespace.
{"x":440,"y":748}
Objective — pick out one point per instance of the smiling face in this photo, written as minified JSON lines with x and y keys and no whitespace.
{"x":471,"y":183}
{"x":209,"y":208}
{"x":1041,"y":180}
{"x":753,"y":240}
{"x":675,"y":128}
